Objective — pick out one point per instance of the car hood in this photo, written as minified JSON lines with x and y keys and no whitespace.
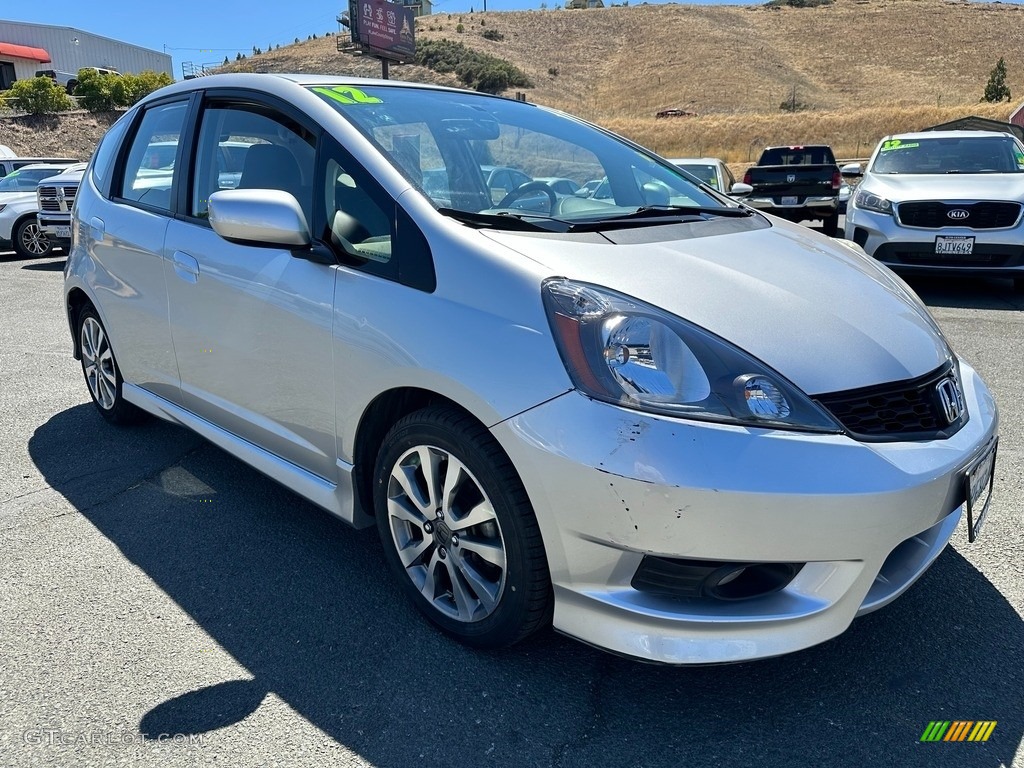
{"x":822,"y":314}
{"x":947,"y":187}
{"x":8,"y":198}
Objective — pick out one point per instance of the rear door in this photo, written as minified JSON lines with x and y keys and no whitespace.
{"x":126,"y":241}
{"x":252,"y":325}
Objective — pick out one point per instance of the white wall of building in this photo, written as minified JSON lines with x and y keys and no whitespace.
{"x":71,"y":49}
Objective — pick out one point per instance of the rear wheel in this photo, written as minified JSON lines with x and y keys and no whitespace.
{"x":458,"y":530}
{"x":101,"y":372}
{"x":30,"y":242}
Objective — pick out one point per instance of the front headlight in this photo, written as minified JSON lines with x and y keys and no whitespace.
{"x":869,"y":201}
{"x":623,"y":351}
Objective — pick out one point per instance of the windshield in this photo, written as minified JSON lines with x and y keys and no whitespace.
{"x":486,"y":157}
{"x":975,"y":154}
{"x":25,"y":180}
{"x":706,"y":173}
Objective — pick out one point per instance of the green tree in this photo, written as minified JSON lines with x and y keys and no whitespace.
{"x":996,"y":89}
{"x":129,"y":89}
{"x":38,"y":95}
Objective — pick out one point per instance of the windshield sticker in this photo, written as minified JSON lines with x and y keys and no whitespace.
{"x":345,"y":94}
{"x":897,"y":144}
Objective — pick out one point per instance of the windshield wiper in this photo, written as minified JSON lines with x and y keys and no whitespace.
{"x":655,"y":214}
{"x":522,"y":222}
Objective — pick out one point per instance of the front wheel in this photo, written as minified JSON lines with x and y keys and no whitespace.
{"x":458,"y":530}
{"x":30,"y":242}
{"x":101,"y":372}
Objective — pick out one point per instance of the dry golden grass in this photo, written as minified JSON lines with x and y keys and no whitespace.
{"x":865,"y":68}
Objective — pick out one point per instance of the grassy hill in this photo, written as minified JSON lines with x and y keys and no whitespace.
{"x":863,"y":68}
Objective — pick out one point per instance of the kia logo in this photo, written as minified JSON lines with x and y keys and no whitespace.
{"x":959,"y":214}
{"x":951,"y":399}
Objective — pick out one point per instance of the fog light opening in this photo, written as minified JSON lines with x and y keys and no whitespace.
{"x":741,"y":581}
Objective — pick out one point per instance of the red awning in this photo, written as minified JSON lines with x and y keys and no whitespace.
{"x":24,"y":52}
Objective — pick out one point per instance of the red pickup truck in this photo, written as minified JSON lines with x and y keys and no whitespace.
{"x":797,"y":183}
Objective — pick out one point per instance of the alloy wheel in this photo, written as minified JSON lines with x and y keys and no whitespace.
{"x":98,"y":363}
{"x":446,"y":533}
{"x":34,"y":240}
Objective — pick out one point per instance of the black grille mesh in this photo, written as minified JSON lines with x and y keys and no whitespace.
{"x":934,"y":215}
{"x":899,"y":410}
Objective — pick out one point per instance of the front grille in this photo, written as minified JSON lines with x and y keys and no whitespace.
{"x":50,"y":198}
{"x":935,"y":215}
{"x":903,"y":410}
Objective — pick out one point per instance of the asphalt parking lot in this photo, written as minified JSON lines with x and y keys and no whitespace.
{"x":164,"y":605}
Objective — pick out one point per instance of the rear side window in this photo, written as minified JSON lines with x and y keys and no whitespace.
{"x":150,"y":170}
{"x":798,"y":156}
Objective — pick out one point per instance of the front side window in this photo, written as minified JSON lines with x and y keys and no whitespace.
{"x":249,"y":146}
{"x":151,"y":171}
{"x":495,"y":162}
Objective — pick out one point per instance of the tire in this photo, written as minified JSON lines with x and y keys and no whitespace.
{"x":72,"y":84}
{"x":102,"y":376}
{"x":30,"y":242}
{"x":466,"y":548}
{"x":830,"y":225}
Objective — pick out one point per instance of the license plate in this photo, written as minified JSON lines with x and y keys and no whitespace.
{"x":959,"y":245}
{"x":790,"y":200}
{"x":978,"y":486}
{"x":63,"y":232}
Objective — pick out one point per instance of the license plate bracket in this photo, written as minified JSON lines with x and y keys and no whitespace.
{"x":978,"y":485}
{"x":790,"y":200}
{"x":63,"y":232}
{"x":954,"y":245}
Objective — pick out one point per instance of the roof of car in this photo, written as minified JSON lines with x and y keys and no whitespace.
{"x":267,"y":80}
{"x":695,"y":160}
{"x":947,"y":135}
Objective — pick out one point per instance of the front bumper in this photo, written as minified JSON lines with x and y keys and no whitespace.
{"x":997,"y":252}
{"x":610,"y":485}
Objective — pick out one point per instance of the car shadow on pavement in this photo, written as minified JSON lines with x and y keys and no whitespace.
{"x":46,"y":266}
{"x":305,"y":605}
{"x":967,"y":292}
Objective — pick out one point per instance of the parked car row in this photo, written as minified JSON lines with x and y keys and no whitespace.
{"x":20,"y":227}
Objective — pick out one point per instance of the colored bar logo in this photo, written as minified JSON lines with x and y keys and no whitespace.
{"x":958,"y":730}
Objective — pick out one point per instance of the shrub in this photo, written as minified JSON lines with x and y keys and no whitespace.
{"x":481,"y":71}
{"x":102,"y":93}
{"x":460,"y":29}
{"x":95,"y":92}
{"x":38,"y":95}
{"x":493,"y":34}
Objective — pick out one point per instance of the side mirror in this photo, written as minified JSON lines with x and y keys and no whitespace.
{"x":852,"y":170}
{"x":267,"y":217}
{"x":739,"y":189}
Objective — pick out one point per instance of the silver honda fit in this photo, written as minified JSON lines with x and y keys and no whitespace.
{"x":669,"y":425}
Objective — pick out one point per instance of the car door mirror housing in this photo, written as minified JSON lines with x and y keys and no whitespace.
{"x":740,"y":189}
{"x":851,"y":170}
{"x":267,"y":217}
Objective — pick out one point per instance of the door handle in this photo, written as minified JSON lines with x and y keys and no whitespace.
{"x":186,"y":267}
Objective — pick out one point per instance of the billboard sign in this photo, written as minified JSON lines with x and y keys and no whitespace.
{"x":383,"y":29}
